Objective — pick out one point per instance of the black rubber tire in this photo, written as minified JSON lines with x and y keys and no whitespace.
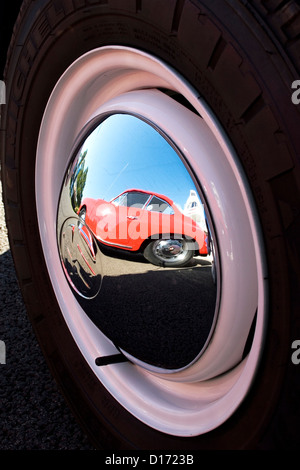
{"x":149,"y":254}
{"x":243,"y":58}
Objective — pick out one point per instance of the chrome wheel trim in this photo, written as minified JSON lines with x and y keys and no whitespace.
{"x":168,"y":250}
{"x":197,"y":399}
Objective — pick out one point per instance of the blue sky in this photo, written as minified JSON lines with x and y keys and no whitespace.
{"x":124,"y":152}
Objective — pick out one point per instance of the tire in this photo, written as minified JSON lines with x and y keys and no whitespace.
{"x":228,"y":68}
{"x":159,"y":253}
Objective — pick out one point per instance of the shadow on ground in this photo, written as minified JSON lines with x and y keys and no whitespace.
{"x":33,"y":413}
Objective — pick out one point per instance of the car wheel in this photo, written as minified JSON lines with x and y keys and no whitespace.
{"x":169,"y":253}
{"x":214,"y":80}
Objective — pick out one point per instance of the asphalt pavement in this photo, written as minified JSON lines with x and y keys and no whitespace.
{"x":33,"y":413}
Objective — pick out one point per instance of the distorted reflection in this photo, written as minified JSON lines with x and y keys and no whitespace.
{"x":81,"y":260}
{"x":135,"y":243}
{"x":138,"y":220}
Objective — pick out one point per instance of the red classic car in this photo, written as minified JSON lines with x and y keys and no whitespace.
{"x":138,"y":220}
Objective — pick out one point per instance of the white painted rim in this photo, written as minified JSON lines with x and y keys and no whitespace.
{"x":196,"y":399}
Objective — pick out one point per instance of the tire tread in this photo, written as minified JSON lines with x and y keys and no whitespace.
{"x":283,"y":19}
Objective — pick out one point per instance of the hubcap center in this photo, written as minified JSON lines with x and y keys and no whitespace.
{"x":169,"y":248}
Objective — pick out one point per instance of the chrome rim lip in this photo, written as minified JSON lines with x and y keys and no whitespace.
{"x":197,"y":405}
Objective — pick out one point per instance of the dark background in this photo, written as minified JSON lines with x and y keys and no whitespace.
{"x":8,"y":13}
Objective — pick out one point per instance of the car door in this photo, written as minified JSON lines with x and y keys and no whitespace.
{"x":161,"y":217}
{"x":128,"y":220}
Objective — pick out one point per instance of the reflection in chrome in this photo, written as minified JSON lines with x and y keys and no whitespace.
{"x":80,"y":258}
{"x":168,"y":248}
{"x":170,"y":251}
{"x":135,"y":245}
{"x":135,"y":217}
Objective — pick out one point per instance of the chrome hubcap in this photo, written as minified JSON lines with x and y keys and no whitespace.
{"x":168,"y":249}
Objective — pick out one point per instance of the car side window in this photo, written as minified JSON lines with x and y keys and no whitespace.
{"x":136,"y":199}
{"x":131,"y":199}
{"x":120,"y":200}
{"x":159,"y":205}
